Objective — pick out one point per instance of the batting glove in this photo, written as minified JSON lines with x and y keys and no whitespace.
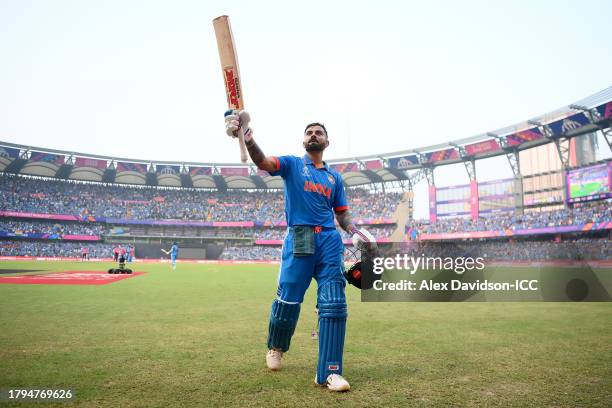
{"x":362,"y":239}
{"x":236,"y":120}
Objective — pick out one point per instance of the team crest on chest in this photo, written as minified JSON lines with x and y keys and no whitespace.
{"x":331,"y":178}
{"x":305,"y":172}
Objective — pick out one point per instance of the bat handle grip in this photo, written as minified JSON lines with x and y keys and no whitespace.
{"x":243,"y":149}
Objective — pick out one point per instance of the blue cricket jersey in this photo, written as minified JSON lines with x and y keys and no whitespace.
{"x":174,"y":251}
{"x":311,"y":195}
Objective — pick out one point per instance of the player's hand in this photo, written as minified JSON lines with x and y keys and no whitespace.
{"x":363,"y":240}
{"x":236,"y":120}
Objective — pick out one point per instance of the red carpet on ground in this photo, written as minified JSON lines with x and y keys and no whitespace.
{"x":68,"y":278}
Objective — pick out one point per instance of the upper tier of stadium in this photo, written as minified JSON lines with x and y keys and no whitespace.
{"x":588,"y":115}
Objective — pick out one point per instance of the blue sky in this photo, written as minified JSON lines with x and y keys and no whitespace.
{"x":142,"y":79}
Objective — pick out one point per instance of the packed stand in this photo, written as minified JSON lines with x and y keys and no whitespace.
{"x":53,"y":249}
{"x":51,"y":228}
{"x":594,"y":211}
{"x":24,"y":194}
{"x":379,"y":231}
{"x":528,"y":250}
{"x":501,"y":250}
{"x":259,"y":253}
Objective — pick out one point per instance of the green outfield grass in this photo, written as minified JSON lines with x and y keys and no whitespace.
{"x":196,"y":337}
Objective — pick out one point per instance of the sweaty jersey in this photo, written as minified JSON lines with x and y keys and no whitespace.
{"x":311,"y":195}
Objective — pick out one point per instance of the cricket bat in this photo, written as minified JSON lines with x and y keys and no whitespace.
{"x":231,"y":73}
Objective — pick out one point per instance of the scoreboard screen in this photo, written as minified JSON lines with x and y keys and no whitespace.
{"x":589,"y":183}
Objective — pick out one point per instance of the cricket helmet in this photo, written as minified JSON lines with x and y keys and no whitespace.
{"x":356,"y":273}
{"x":353,"y":274}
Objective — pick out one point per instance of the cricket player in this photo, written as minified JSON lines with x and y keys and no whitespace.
{"x":312,"y":248}
{"x":173,"y":252}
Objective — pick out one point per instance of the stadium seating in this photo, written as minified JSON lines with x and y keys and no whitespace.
{"x":138,"y":203}
{"x":84,"y":200}
{"x":51,"y":228}
{"x":53,"y":249}
{"x":588,"y":212}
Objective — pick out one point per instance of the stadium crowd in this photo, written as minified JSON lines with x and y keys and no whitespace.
{"x":51,"y":228}
{"x":54,"y":249}
{"x":519,"y":250}
{"x":379,"y":231}
{"x":594,"y":211}
{"x":26,"y":194}
{"x":500,"y":250}
{"x":260,"y":253}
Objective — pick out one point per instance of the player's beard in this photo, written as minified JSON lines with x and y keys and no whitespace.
{"x":314,"y":147}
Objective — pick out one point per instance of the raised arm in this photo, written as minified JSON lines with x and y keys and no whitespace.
{"x":259,"y":158}
{"x":236,"y":120}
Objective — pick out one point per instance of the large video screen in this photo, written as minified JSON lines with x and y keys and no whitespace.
{"x":590,"y":183}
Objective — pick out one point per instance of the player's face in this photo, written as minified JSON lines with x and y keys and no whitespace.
{"x":315,"y":139}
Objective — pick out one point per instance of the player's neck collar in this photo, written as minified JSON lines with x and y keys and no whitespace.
{"x":308,"y":160}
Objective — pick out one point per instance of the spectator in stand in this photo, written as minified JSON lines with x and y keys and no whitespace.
{"x":589,"y":212}
{"x":531,"y":250}
{"x":579,"y":248}
{"x":52,"y":228}
{"x":51,"y":248}
{"x":26,"y":194}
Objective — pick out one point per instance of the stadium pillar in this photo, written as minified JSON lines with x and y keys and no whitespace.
{"x":563,"y":149}
{"x":607,"y":135}
{"x":474,"y":202}
{"x":409,"y":197}
{"x":186,"y":180}
{"x":63,"y":172}
{"x":15,"y":166}
{"x":470,"y":167}
{"x":110,"y":173}
{"x":433,"y":210}
{"x":515,"y":165}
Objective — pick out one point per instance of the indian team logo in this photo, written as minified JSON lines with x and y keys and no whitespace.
{"x":331,"y":179}
{"x":305,"y":172}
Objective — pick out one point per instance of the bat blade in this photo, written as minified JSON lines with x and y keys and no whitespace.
{"x":231,"y":71}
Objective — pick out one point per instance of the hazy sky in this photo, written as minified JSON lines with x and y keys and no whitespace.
{"x":141,"y":79}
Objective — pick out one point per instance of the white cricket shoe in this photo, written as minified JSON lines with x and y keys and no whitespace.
{"x":273,"y":359}
{"x":335,"y":382}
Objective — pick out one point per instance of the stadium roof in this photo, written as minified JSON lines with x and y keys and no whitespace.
{"x":585,"y":116}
